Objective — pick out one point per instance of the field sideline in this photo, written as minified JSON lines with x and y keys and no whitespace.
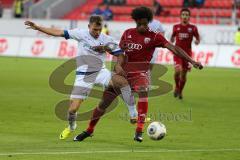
{"x":208,"y":127}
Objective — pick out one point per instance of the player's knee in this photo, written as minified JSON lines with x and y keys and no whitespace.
{"x":178,"y":68}
{"x":183,"y":78}
{"x":178,"y":71}
{"x":104,"y":105}
{"x":74,"y":105}
{"x":119,"y":81}
{"x":143,"y":94}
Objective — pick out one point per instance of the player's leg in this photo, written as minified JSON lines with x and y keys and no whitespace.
{"x":183,"y":77}
{"x":82,"y":87}
{"x":141,"y":86}
{"x":119,"y":83}
{"x":108,"y":97}
{"x":103,"y":78}
{"x":177,"y":74}
{"x":142,"y":114}
{"x":183,"y":80}
{"x":72,"y":112}
{"x":72,"y":116}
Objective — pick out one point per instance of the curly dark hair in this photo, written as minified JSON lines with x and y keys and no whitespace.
{"x":142,"y":12}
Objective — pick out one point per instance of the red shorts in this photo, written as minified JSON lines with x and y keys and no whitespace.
{"x":139,"y":81}
{"x":181,"y":63}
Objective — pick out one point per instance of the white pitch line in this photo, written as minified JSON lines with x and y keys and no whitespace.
{"x":124,"y":151}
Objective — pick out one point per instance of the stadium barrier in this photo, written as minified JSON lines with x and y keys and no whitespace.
{"x":39,"y":10}
{"x":62,"y":7}
{"x":210,"y":34}
{"x":209,"y":55}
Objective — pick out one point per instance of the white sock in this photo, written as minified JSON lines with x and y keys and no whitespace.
{"x":128,"y":98}
{"x":72,"y":121}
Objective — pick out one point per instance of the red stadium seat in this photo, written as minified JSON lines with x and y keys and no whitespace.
{"x":219,"y":4}
{"x":171,"y":3}
{"x":121,"y":10}
{"x":224,"y":13}
{"x":175,"y":12}
{"x":7,"y":3}
{"x":206,"y":13}
{"x":139,"y":2}
{"x":209,"y":14}
{"x":122,"y":18}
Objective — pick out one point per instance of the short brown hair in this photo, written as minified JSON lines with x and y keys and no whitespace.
{"x":185,"y":10}
{"x":96,"y":19}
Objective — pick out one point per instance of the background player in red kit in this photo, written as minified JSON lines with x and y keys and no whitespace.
{"x":139,"y":44}
{"x":184,"y":33}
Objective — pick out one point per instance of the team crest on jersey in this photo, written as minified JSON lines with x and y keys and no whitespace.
{"x":147,"y":40}
{"x":129,"y":36}
{"x":178,"y":28}
{"x":189,"y":29}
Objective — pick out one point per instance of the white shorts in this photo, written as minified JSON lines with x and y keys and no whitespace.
{"x":84,"y":83}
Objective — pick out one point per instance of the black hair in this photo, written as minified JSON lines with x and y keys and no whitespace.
{"x":142,"y":12}
{"x":185,"y":10}
{"x":96,"y":19}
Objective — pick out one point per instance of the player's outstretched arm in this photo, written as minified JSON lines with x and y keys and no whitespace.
{"x":49,"y":31}
{"x":197,"y":41}
{"x":172,"y":39}
{"x":196,"y":35}
{"x":181,"y":53}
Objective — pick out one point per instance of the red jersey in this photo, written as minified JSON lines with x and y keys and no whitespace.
{"x":184,"y":35}
{"x":140,"y":47}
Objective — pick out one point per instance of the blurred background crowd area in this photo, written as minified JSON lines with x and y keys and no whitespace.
{"x":209,"y":12}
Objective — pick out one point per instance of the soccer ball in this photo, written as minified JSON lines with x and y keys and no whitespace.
{"x":156,"y":131}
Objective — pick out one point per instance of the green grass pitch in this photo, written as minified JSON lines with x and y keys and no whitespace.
{"x":29,"y":129}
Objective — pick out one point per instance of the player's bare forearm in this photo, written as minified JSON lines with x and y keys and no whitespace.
{"x":197,"y":41}
{"x":49,"y":31}
{"x":118,"y":67}
{"x":120,"y":59}
{"x":181,"y":53}
{"x":172,"y":39}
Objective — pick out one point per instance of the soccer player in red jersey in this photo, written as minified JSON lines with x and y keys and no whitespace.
{"x":139,"y":44}
{"x":183,"y":33}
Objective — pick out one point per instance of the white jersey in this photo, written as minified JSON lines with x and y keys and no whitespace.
{"x":156,"y":26}
{"x":89,"y":60}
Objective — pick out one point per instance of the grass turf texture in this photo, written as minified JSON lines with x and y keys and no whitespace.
{"x":28,"y":123}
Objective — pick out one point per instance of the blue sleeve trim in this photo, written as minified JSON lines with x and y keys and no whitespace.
{"x":117,"y":52}
{"x":66,"y":34}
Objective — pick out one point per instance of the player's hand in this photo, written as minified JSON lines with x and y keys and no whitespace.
{"x":197,"y":65}
{"x":119,"y":70}
{"x":197,"y":42}
{"x":99,"y":49}
{"x":31,"y":25}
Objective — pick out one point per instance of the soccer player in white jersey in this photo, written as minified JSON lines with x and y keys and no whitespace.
{"x":92,"y":47}
{"x":156,"y":26}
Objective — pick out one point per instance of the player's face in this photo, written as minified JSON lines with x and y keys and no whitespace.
{"x":95,"y":30}
{"x":185,"y":17}
{"x":142,"y":25}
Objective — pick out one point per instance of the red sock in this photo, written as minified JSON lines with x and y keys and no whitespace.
{"x":177,"y":81}
{"x":142,"y":112}
{"x":97,"y":113}
{"x":181,"y":86}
